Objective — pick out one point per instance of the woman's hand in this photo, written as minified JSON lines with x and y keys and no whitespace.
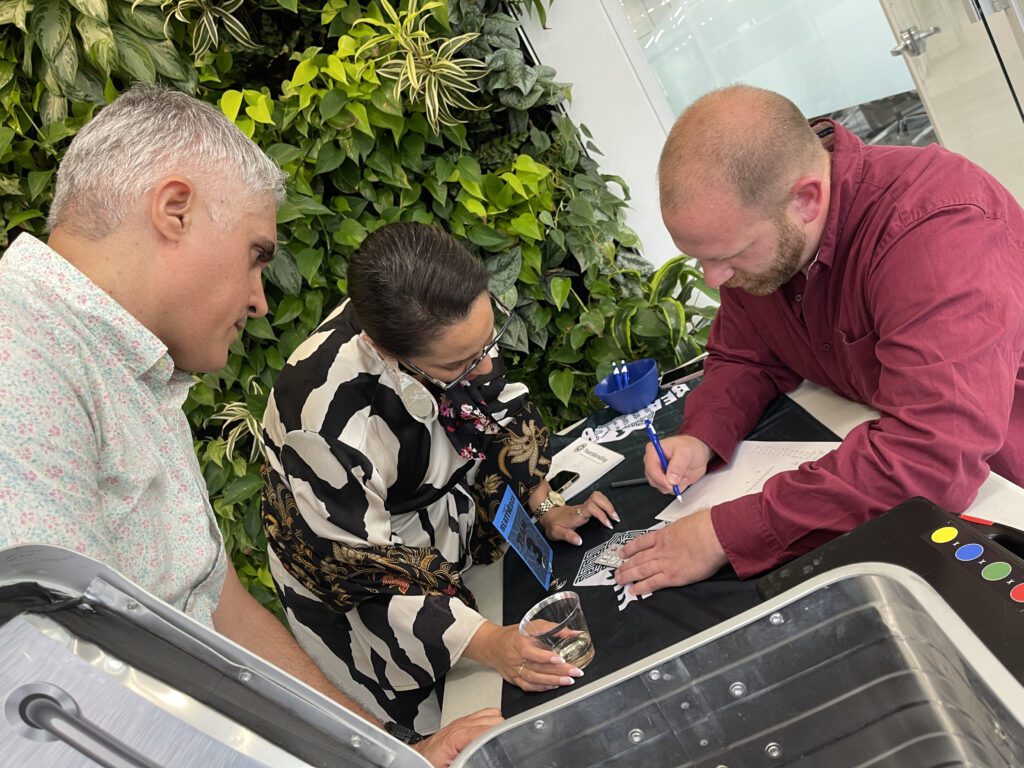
{"x":560,"y":523}
{"x":520,"y":660}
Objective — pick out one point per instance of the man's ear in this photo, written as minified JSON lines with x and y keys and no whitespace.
{"x":172,"y":206}
{"x":808,"y":198}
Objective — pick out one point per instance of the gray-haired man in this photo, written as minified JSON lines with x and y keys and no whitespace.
{"x":162,"y":222}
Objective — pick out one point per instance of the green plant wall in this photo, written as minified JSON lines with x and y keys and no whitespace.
{"x":425,"y":111}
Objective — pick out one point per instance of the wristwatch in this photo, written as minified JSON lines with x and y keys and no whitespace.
{"x":554,"y":499}
{"x":400,"y":732}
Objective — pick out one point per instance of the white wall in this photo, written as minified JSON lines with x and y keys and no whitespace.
{"x":629,"y":122}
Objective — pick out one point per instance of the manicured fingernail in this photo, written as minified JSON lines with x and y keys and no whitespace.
{"x":673,"y":479}
{"x":607,"y":525}
{"x":554,"y":687}
{"x":556,"y":660}
{"x":576,"y":672}
{"x":566,"y":681}
{"x":578,"y":541}
{"x":616,"y":518}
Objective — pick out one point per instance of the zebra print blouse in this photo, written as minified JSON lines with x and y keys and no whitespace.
{"x":341,"y":439}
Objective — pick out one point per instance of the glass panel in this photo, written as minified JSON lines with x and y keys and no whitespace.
{"x":824,"y":56}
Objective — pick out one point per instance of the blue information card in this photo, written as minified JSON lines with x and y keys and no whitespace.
{"x":513,"y":522}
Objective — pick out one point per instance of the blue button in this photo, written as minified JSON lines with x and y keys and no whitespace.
{"x":969,"y":552}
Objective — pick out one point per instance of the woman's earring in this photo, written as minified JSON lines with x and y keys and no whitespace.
{"x":416,"y":398}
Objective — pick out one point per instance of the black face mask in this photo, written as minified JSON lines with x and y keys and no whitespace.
{"x":471,"y":410}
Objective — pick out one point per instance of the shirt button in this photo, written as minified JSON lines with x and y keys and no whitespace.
{"x":798,"y":297}
{"x":826,"y":346}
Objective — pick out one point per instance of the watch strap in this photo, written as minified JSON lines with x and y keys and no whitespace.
{"x":400,"y":732}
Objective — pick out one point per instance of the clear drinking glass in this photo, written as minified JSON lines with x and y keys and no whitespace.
{"x":557,"y":622}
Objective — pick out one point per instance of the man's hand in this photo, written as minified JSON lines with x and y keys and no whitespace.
{"x":680,"y":553}
{"x":688,"y":460}
{"x":445,"y":745}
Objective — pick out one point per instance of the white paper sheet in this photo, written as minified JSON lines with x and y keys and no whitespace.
{"x":752,"y":464}
{"x":589,"y":460}
{"x":999,"y":501}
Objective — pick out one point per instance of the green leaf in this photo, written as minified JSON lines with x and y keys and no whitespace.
{"x":283,"y":273}
{"x":241,"y":489}
{"x":350,"y":233}
{"x":525,"y":224}
{"x":6,"y":135}
{"x":230,"y":102}
{"x":504,"y":268}
{"x":168,"y":62}
{"x":259,"y":327}
{"x":328,"y":158}
{"x":486,"y":237}
{"x":308,"y":261}
{"x":134,"y":53}
{"x":578,"y":336}
{"x":582,"y":208}
{"x":332,"y":103}
{"x":358,"y":111}
{"x":283,"y":154}
{"x":38,"y":181}
{"x":287,"y":310}
{"x":260,"y":107}
{"x":96,"y":9}
{"x":650,"y":323}
{"x":469,"y":175}
{"x":98,"y":40}
{"x":21,"y":216}
{"x":560,"y":382}
{"x":517,"y":337}
{"x":560,"y":287}
{"x":65,"y":67}
{"x":147,"y":22}
{"x":50,"y":25}
{"x":305,"y":72}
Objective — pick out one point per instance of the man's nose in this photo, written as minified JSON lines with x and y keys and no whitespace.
{"x":716,"y":275}
{"x":258,"y":299}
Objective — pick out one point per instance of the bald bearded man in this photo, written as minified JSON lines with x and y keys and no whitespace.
{"x":894,"y":276}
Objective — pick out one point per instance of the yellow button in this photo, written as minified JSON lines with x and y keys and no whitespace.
{"x":944,"y":535}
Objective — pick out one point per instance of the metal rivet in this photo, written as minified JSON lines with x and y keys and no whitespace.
{"x":737,"y":690}
{"x":654,"y":674}
{"x":538,"y":725}
{"x":131,"y":604}
{"x":245,"y":676}
{"x":684,"y":705}
{"x":777,"y":618}
{"x":357,"y":742}
{"x":635,"y":735}
{"x":703,"y":742}
{"x":773,"y":750}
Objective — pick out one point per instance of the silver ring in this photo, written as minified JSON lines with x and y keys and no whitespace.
{"x":519,"y":672}
{"x":578,"y":512}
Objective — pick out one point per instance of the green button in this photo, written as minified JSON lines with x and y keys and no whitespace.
{"x":996,"y":571}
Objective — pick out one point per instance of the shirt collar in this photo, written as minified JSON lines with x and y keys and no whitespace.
{"x":60,"y":283}
{"x":847,"y":169}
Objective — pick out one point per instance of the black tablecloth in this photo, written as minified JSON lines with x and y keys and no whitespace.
{"x":669,"y":615}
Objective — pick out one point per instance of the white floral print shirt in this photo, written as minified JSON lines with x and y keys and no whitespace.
{"x":95,"y":452}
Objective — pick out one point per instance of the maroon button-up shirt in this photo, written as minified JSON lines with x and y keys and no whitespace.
{"x":914,"y":306}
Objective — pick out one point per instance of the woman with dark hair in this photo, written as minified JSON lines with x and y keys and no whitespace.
{"x":391,"y":435}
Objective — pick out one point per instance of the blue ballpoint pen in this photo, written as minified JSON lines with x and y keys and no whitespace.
{"x":661,"y":454}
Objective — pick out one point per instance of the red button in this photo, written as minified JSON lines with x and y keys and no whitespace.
{"x":1017,"y":593}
